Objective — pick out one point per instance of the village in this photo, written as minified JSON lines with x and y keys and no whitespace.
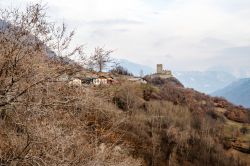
{"x":92,"y":78}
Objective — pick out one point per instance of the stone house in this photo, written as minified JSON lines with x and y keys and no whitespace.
{"x":101,"y":80}
{"x":88,"y":79}
{"x":75,"y":82}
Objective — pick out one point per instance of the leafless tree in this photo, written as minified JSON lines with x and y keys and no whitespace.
{"x":101,"y":58}
{"x":45,"y":121}
{"x":27,"y":41}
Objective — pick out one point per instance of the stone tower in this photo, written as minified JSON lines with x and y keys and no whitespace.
{"x":159,"y":68}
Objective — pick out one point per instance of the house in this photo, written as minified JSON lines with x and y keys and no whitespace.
{"x":87,"y":80}
{"x":101,"y":80}
{"x":75,"y":82}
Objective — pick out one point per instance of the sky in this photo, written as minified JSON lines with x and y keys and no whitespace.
{"x":181,"y":34}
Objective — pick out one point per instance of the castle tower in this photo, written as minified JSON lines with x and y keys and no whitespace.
{"x":159,"y":68}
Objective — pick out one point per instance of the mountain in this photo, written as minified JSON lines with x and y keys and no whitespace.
{"x":237,"y":92}
{"x":135,"y":68}
{"x":207,"y":81}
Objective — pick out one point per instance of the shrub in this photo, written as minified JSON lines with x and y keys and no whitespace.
{"x":121,"y":70}
{"x":128,"y":96}
{"x":148,"y":91}
{"x":196,"y":122}
{"x":244,"y":130}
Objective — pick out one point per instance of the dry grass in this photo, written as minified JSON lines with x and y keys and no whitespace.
{"x":65,"y":130}
{"x":189,"y":135}
{"x":46,"y":122}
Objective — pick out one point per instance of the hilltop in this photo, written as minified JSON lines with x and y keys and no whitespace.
{"x":203,"y":81}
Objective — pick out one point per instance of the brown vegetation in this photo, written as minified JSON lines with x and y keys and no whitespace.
{"x":44,"y":121}
{"x":168,"y":130}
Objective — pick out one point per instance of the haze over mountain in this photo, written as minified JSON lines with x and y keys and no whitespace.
{"x":206,"y":81}
{"x":136,"y":68}
{"x":238,"y":92}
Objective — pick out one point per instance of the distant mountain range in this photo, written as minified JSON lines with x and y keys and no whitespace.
{"x":238,"y":92}
{"x":136,"y":68}
{"x":206,"y":81}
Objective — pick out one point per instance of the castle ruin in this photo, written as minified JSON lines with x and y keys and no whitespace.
{"x":159,"y":68}
{"x":160,"y":72}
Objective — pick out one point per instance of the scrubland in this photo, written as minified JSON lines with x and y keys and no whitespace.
{"x":44,"y":121}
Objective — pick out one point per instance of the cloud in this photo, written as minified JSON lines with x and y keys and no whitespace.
{"x":195,"y":33}
{"x":237,"y":52}
{"x":111,"y":22}
{"x":233,"y":59}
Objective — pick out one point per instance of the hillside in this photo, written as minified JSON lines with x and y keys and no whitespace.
{"x":238,"y":92}
{"x":45,"y":120}
{"x":206,"y":81}
{"x":127,"y":124}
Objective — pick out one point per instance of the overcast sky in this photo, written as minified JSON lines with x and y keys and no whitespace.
{"x":181,"y":34}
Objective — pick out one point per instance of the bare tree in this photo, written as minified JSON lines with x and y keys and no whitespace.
{"x":27,"y":40}
{"x":101,"y":58}
{"x":42,"y":118}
